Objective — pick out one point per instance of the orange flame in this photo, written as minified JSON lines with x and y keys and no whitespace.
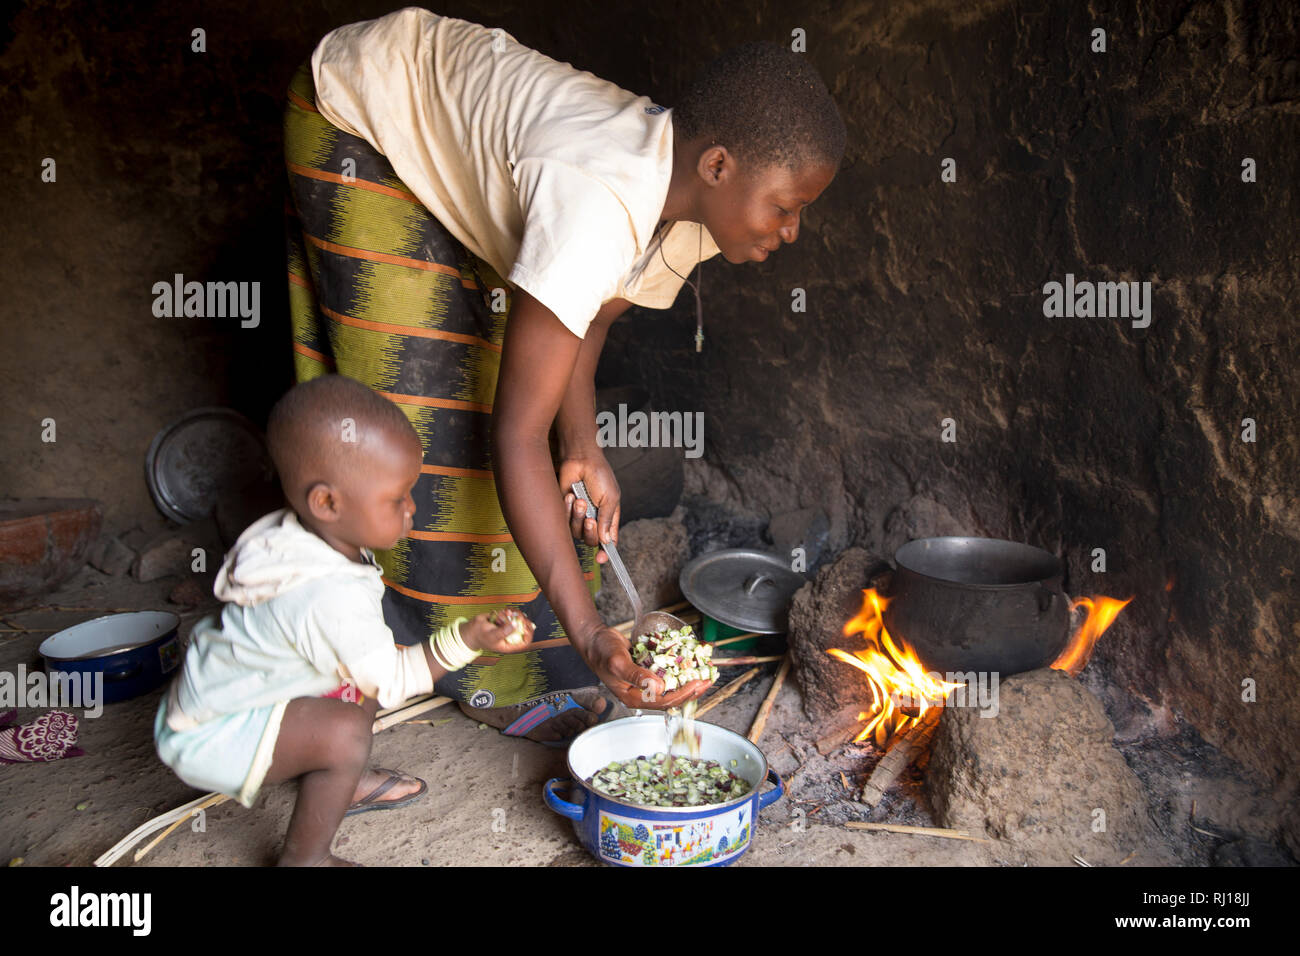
{"x":895,"y":675}
{"x":1102,"y":612}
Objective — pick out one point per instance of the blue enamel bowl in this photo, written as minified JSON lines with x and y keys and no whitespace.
{"x":133,"y":652}
{"x":627,"y":834}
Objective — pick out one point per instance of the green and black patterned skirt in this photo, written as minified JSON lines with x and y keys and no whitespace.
{"x":381,"y":292}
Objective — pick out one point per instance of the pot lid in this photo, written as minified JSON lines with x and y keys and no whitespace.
{"x":205,"y":452}
{"x":742,"y":588}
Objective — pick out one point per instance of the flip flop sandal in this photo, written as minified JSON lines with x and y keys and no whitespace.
{"x":553,"y":706}
{"x":372,"y":801}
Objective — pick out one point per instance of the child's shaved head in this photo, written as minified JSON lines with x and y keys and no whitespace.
{"x":326,"y":429}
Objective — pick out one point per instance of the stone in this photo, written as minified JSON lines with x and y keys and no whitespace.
{"x":190,"y":592}
{"x":654,"y":550}
{"x":833,"y":692}
{"x":136,"y":538}
{"x":43,"y":542}
{"x":164,"y":556}
{"x":1041,"y":774}
{"x":110,"y":555}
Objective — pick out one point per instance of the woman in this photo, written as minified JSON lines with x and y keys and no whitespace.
{"x":471,"y":216}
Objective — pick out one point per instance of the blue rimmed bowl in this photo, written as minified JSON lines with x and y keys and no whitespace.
{"x":133,"y":652}
{"x":621,"y":833}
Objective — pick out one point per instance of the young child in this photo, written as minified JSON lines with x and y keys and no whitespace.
{"x":269,"y":691}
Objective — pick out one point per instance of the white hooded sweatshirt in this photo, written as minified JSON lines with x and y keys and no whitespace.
{"x":300,"y":619}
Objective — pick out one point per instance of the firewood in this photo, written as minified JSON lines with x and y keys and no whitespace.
{"x":726,"y":692}
{"x":907,"y":746}
{"x":738,"y":637}
{"x":836,"y":739}
{"x":212,"y":801}
{"x":917,"y":831}
{"x":174,"y":818}
{"x":407,"y":712}
{"x":760,"y":721}
{"x":738,"y":661}
{"x":181,"y":813}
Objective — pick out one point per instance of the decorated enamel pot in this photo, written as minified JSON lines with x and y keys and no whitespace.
{"x":629,"y":834}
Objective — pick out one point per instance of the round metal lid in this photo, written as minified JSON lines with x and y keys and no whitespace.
{"x":203,"y":453}
{"x":742,"y":588}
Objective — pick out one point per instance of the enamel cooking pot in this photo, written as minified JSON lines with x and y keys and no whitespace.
{"x":131,"y":653}
{"x":621,"y":833}
{"x":978,"y":604}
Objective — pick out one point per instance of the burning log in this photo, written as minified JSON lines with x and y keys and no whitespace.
{"x":907,"y":746}
{"x":902,"y":692}
{"x":836,"y":739}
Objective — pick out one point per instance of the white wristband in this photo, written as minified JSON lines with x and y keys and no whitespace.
{"x":450,"y":650}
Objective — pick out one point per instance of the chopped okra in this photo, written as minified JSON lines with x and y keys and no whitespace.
{"x":675,"y":656}
{"x":666,"y":781}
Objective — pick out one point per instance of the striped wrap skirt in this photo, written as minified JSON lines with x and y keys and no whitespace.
{"x":381,"y":292}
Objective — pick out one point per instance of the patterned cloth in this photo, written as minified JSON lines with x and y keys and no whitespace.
{"x":51,"y":736}
{"x":381,"y":292}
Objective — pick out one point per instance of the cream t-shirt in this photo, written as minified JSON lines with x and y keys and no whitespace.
{"x":553,"y":176}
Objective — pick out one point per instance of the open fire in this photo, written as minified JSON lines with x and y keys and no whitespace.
{"x":1102,"y":612}
{"x":902,"y":691}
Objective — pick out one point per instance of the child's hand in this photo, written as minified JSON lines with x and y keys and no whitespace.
{"x":504,"y":631}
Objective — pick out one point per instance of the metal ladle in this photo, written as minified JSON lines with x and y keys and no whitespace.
{"x":643,"y":622}
{"x":680,"y":728}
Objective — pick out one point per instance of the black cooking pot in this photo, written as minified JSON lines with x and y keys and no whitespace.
{"x":978,"y":604}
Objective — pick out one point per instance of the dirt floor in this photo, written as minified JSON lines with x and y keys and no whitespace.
{"x":473,"y":774}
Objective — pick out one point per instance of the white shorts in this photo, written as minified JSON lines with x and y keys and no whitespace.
{"x":229,"y":754}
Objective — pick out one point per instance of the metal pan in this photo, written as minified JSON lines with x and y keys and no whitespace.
{"x":978,"y":604}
